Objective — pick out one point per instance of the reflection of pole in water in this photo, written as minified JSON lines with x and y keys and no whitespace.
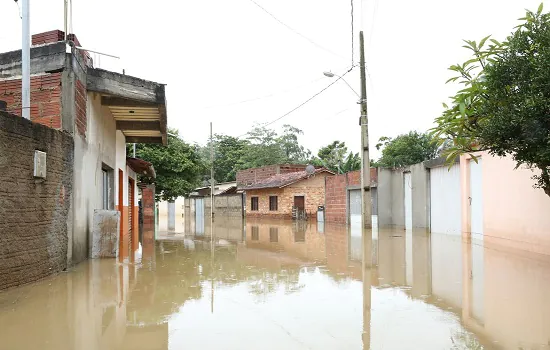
{"x":367,"y":283}
{"x":212,"y":218}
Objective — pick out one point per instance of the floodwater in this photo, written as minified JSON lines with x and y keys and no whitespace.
{"x":284,"y":285}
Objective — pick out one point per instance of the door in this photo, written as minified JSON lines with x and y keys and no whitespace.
{"x":130,"y":214}
{"x":355,"y":208}
{"x":299,"y":202}
{"x":445,"y":203}
{"x":408,"y":201}
{"x":300,"y":205}
{"x":476,"y":200}
{"x":476,"y":229}
{"x":199,"y":216}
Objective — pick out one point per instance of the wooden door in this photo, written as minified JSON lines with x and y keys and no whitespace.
{"x":299,"y":202}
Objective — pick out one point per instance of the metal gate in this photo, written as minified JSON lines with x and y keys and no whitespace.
{"x":407,"y":184}
{"x":199,"y":216}
{"x":355,"y":207}
{"x":445,"y":204}
{"x":476,"y":200}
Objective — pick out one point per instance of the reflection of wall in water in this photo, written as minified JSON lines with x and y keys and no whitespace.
{"x":391,"y":258}
{"x":299,"y":239}
{"x":446,"y":262}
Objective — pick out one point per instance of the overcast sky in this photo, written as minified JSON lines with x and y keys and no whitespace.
{"x":231,"y":63}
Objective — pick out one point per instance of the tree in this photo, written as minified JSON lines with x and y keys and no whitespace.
{"x":293,"y":151}
{"x":504,"y":105}
{"x":351,"y":163}
{"x":264,"y":148}
{"x":332,"y":156}
{"x":228,"y":154}
{"x":406,"y":149}
{"x":179,"y":166}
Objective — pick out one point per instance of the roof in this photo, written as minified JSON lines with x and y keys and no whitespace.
{"x":141,"y":166}
{"x":137,"y":105}
{"x":219,"y":189}
{"x":283,"y":180}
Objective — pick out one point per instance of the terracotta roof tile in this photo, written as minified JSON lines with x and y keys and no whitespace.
{"x":282,"y":180}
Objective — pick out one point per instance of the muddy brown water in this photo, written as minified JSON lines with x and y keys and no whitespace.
{"x":284,"y":285}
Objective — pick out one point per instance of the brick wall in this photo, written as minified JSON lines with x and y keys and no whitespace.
{"x":335,"y":206}
{"x":45,"y":98}
{"x":313,"y":189}
{"x":250,"y":176}
{"x":34,"y":212}
{"x":336,"y":193}
{"x":80,"y":97}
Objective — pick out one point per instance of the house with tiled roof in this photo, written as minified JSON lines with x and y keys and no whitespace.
{"x":287,"y":195}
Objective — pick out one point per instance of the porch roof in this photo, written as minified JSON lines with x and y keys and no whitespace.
{"x":137,"y":105}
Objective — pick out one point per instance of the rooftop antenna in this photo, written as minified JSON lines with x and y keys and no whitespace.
{"x":310,"y":169}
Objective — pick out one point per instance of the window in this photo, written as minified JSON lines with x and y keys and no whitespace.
{"x":255,"y":233}
{"x":107,"y":188}
{"x":254,"y":203}
{"x":273,"y":205}
{"x":274,"y":234}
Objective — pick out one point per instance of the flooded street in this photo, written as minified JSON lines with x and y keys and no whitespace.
{"x":287,"y":285}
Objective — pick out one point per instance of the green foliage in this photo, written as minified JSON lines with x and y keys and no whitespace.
{"x":264,"y":148}
{"x":179,"y":166}
{"x":504,"y":107}
{"x":406,"y":149}
{"x":333,"y":157}
{"x":228,"y":154}
{"x":261,"y":147}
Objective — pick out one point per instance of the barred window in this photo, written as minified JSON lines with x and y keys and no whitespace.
{"x":254,"y":204}
{"x":273,"y":203}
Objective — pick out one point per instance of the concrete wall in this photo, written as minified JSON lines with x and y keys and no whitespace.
{"x":101,"y":146}
{"x":515,"y":215}
{"x":391,"y":196}
{"x":35,"y":212}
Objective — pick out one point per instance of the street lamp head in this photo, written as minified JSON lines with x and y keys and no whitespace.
{"x":329,"y":74}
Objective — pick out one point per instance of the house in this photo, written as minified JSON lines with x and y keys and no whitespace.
{"x":288,"y":195}
{"x":97,"y":112}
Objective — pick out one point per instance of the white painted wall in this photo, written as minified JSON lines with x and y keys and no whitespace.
{"x":99,"y":146}
{"x":445,"y":205}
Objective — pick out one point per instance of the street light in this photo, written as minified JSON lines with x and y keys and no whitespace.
{"x":332,"y":75}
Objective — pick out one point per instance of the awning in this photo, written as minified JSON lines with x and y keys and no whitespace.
{"x":137,"y":105}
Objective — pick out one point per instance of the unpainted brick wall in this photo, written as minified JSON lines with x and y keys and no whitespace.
{"x":335,"y":207}
{"x":313,"y":189}
{"x":80,"y":97}
{"x":336,"y":193}
{"x":253,"y":175}
{"x":45,"y":98}
{"x":34,"y":212}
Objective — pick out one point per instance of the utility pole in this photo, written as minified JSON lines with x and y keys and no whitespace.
{"x":211,"y":174}
{"x":26,"y":62}
{"x":364,"y":122}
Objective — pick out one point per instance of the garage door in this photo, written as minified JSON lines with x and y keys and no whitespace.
{"x":445,"y":206}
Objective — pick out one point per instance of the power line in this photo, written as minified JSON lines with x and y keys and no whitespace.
{"x":303,"y":103}
{"x":264,"y":96}
{"x":296,"y":32}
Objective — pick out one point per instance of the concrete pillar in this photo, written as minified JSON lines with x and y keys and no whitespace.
{"x":148,"y":203}
{"x":171,"y":216}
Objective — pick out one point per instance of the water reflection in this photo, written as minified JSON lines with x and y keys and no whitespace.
{"x":288,"y":285}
